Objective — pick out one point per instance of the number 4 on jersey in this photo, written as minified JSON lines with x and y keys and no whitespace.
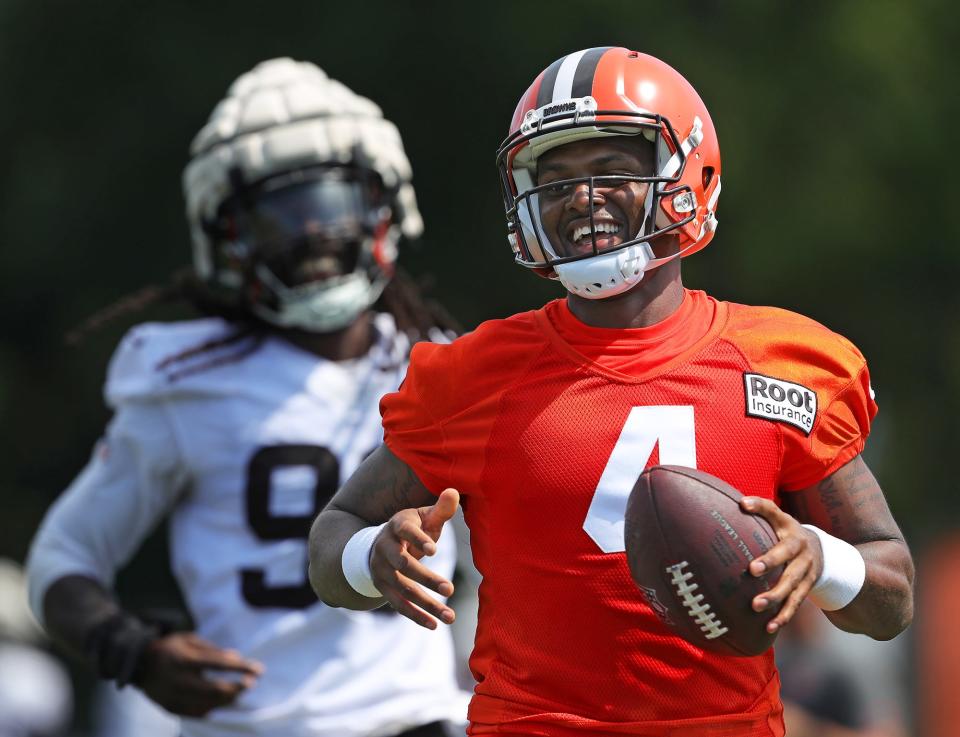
{"x":670,"y":426}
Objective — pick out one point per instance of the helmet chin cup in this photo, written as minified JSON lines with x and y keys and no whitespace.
{"x":607,"y":274}
{"x":322,"y":307}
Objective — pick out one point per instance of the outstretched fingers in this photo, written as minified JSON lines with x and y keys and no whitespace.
{"x":400,"y":561}
{"x":413,"y":602}
{"x":405,"y":582}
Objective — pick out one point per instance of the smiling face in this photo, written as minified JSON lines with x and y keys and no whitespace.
{"x":618,"y":205}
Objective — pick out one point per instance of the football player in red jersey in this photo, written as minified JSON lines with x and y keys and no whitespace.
{"x":541,"y":423}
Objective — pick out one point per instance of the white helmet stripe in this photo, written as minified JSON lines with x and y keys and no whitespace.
{"x":563,"y":86}
{"x":570,"y":76}
{"x":545,"y":92}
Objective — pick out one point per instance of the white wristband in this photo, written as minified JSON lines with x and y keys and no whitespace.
{"x":355,"y":561}
{"x":843,"y":572}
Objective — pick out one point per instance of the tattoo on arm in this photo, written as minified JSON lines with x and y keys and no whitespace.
{"x":381,"y":487}
{"x":831,"y":502}
{"x":399,"y":486}
{"x":849,"y":504}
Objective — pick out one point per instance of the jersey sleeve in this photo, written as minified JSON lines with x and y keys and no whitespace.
{"x":411,"y":429}
{"x":800,"y":368}
{"x":843,"y":423}
{"x":439,"y":421}
{"x":165,"y":361}
{"x":133,"y":373}
{"x":133,"y":478}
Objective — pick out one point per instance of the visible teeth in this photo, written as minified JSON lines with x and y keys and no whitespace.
{"x":583,"y":230}
{"x":322,"y":266}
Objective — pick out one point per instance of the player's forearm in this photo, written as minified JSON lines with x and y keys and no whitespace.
{"x":328,"y":536}
{"x":82,"y":615}
{"x":884,"y":606}
{"x":73,"y":607}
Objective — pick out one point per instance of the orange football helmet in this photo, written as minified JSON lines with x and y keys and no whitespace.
{"x":602,"y":92}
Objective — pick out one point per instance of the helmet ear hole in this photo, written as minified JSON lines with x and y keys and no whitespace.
{"x":707,"y":176}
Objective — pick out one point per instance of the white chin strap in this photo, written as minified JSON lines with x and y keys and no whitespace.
{"x":608,"y":274}
{"x":319,"y":308}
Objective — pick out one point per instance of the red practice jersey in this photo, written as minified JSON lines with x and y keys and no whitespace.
{"x":543,"y":424}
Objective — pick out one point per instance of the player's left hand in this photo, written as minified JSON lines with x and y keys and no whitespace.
{"x":798,"y":550}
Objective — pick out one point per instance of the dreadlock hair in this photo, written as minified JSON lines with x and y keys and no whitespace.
{"x":182,"y":286}
{"x":403,"y":298}
{"x":414,"y":313}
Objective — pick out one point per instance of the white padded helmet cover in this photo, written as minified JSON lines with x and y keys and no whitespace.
{"x":284,"y":115}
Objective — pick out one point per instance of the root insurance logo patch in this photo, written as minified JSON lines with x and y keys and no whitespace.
{"x":780,"y":401}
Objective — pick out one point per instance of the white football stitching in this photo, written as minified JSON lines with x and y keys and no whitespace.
{"x":708,"y":621}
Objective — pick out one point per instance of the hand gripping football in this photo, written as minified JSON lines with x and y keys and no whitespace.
{"x":688,"y":546}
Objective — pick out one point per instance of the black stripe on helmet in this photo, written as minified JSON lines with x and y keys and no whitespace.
{"x":545,"y":93}
{"x":583,"y":77}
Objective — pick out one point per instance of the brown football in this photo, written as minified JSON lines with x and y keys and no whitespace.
{"x":688,"y":545}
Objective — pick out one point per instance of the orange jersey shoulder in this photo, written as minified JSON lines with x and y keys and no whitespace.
{"x":447,"y":380}
{"x":813,"y":380}
{"x":788,"y":344}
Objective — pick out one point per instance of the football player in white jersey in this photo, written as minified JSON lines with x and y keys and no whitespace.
{"x":240,"y":426}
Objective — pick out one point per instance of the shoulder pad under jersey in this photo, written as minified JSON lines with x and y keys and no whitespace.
{"x":792,"y":341}
{"x":159,"y":360}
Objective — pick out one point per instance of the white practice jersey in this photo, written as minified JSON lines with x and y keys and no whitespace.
{"x":242,"y":443}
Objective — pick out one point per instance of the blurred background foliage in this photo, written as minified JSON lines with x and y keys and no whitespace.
{"x":836,"y":122}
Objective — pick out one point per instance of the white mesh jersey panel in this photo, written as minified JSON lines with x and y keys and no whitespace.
{"x":328,"y":671}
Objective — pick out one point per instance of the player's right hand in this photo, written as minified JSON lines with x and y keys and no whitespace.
{"x":177,"y":672}
{"x":395,"y":561}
